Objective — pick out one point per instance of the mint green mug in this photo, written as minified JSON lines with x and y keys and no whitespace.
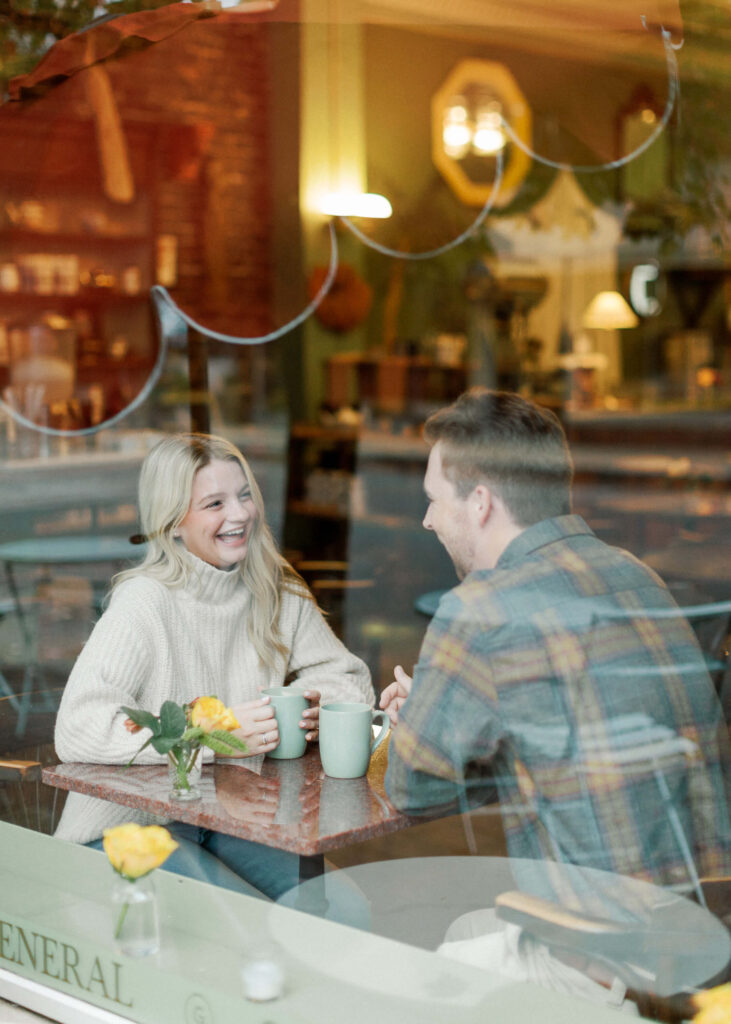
{"x":288,"y":703}
{"x":346,"y":738}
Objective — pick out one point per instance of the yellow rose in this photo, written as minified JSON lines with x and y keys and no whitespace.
{"x":714,"y":1005}
{"x":209,"y":713}
{"x":135,"y":850}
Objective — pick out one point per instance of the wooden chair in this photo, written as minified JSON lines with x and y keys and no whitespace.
{"x":19,"y":771}
{"x":24,"y":799}
{"x":17,"y":779}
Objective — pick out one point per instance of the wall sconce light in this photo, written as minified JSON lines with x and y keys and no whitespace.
{"x":489,"y":136}
{"x":355,"y":204}
{"x":479,"y":132}
{"x":469,"y":112}
{"x":609,"y":311}
{"x":456,"y":130}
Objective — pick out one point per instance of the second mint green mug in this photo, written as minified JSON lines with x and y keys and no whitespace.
{"x":346,"y":738}
{"x":288,"y":704}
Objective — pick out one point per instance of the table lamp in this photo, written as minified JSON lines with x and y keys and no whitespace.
{"x":609,"y":311}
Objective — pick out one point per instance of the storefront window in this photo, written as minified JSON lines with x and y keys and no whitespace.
{"x":557,"y":177}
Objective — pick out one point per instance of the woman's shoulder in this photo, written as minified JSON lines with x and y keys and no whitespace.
{"x":295,"y":600}
{"x":134,"y":589}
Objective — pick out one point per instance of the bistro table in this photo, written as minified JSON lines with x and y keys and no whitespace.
{"x":292,"y":805}
{"x":672,"y":943}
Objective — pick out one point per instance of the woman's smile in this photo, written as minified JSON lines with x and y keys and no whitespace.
{"x":221,"y":514}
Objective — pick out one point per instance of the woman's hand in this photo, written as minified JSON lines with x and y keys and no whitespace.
{"x":257,"y":726}
{"x":234,"y":799}
{"x":311,"y":717}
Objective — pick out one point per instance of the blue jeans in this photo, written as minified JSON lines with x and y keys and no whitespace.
{"x":257,"y":870}
{"x":229,"y":862}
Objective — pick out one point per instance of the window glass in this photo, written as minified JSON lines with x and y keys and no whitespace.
{"x":307,"y":225}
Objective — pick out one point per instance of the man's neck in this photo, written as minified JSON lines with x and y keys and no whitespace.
{"x":501,"y":532}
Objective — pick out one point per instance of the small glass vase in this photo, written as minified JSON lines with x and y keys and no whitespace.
{"x":136,"y":922}
{"x":184,"y":772}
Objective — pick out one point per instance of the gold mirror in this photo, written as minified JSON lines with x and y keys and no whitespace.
{"x":468,"y":112}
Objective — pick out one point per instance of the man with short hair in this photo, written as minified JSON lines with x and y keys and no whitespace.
{"x":558,"y":670}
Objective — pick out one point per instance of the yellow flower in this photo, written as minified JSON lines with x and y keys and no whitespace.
{"x":135,"y":850}
{"x":209,"y":713}
{"x":714,"y":1005}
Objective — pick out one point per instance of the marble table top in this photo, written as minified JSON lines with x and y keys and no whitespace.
{"x":291,"y":805}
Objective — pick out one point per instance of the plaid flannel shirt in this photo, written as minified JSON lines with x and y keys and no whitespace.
{"x":549,"y":678}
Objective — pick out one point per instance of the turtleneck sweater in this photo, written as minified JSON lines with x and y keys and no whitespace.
{"x":156,"y":643}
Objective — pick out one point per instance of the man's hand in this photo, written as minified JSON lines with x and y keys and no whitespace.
{"x":394,"y":695}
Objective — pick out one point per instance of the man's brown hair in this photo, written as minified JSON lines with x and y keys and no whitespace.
{"x":507,"y":442}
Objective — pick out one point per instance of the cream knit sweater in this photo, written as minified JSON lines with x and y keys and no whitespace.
{"x":157,"y":643}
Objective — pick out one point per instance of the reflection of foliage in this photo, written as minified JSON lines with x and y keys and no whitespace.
{"x":433,"y":289}
{"x":698,"y":192}
{"x":28,"y":28}
{"x":702,"y":172}
{"x":436,"y":290}
{"x":537,"y":182}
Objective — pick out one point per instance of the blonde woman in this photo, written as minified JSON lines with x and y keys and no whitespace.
{"x":212,"y":608}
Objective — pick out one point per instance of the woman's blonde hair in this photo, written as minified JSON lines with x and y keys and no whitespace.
{"x":165,"y":488}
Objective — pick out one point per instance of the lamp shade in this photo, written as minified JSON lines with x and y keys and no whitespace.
{"x":609,"y":311}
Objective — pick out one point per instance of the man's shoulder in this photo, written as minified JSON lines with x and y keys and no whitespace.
{"x":577,"y":575}
{"x":567,"y":547}
{"x":478,"y":598}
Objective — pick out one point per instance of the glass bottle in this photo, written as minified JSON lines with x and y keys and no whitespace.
{"x":136,"y":922}
{"x":184,"y":772}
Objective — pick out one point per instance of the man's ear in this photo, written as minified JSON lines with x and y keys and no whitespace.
{"x":481,"y":503}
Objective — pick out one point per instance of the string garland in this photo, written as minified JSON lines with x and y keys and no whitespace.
{"x":673,"y":92}
{"x":164,"y":303}
{"x":402,"y":255}
{"x":160,"y":296}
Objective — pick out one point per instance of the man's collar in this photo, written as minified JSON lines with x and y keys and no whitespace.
{"x":548,"y":531}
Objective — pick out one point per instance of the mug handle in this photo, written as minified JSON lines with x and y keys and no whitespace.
{"x":385,"y":728}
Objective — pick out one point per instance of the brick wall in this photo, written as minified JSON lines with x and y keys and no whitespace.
{"x":195,"y":112}
{"x":205,"y":92}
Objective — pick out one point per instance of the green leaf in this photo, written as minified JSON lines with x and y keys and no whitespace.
{"x":223,"y":743}
{"x":228,"y":737}
{"x":192,"y":734}
{"x":145,"y":719}
{"x":172,"y":719}
{"x":163,"y":744}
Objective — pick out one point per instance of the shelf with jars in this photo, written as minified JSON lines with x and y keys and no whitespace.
{"x":76,"y":330}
